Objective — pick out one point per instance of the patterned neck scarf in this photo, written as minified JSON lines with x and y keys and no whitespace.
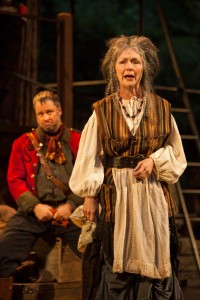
{"x":54,"y":148}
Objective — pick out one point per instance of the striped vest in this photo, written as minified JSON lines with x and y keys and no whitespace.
{"x":117,"y":140}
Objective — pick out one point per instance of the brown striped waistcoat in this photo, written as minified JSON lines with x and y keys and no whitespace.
{"x":117,"y":140}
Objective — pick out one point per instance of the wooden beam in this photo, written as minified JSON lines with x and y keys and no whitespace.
{"x":65,"y":65}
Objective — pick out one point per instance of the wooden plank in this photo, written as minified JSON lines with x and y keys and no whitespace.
{"x":47,"y":291}
{"x":6,"y":286}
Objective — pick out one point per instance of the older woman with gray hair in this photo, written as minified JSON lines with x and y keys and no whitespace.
{"x":129,"y":153}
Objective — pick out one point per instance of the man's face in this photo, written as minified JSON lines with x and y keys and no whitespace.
{"x":48,"y":116}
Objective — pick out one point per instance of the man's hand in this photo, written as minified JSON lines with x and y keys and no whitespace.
{"x":91,"y":208}
{"x":63,"y":212}
{"x":144,"y":168}
{"x":43,"y":212}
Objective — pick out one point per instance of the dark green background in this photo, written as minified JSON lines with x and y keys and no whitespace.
{"x":97,"y":21}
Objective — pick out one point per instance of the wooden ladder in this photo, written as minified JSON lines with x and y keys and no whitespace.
{"x":192,"y":142}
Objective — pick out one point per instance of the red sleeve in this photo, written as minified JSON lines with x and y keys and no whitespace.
{"x":74,"y":140}
{"x":17,"y":173}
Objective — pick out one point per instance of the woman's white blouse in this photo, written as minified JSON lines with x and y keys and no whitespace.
{"x":141,"y":232}
{"x":88,"y":172}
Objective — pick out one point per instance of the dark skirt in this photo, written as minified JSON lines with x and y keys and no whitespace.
{"x":100,"y":283}
{"x":126,"y":286}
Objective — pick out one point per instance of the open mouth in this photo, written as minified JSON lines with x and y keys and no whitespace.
{"x":129,"y":76}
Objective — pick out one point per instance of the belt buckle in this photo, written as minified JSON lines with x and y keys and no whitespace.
{"x":130,"y":161}
{"x":124,"y":162}
{"x":139,"y":156}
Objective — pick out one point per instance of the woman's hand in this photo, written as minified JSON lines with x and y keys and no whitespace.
{"x":144,"y":168}
{"x":91,"y":208}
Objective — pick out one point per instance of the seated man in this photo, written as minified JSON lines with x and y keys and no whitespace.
{"x":39,"y":169}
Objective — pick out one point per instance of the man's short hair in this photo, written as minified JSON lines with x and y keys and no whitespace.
{"x":46,"y":95}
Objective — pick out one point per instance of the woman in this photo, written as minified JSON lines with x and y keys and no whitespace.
{"x":130,"y":150}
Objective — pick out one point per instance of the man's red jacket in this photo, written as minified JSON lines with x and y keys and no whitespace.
{"x":23,"y":166}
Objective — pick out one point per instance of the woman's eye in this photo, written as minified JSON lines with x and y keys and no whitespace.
{"x":135,"y":62}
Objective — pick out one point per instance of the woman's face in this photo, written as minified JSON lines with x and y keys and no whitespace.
{"x":129,"y":68}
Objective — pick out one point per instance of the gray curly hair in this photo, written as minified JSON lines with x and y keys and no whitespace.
{"x":146,"y":49}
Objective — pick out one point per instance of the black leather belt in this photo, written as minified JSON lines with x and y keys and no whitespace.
{"x":123,"y":161}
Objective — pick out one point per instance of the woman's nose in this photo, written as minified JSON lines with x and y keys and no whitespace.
{"x":129,"y":65}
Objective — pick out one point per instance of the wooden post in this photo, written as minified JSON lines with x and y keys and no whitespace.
{"x":65,"y":65}
{"x":141,"y":17}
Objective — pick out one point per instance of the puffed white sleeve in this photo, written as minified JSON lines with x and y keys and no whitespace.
{"x":88,"y":172}
{"x":170,"y":161}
